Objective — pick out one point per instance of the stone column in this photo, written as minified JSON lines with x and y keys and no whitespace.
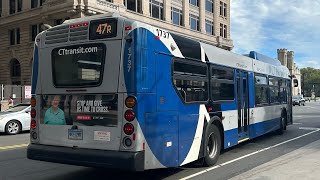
{"x":5,"y":8}
{"x":145,"y":7}
{"x":119,"y":2}
{"x":185,"y":10}
{"x":167,"y":10}
{"x":202,"y":18}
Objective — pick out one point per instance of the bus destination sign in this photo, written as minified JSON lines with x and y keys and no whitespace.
{"x":103,"y":28}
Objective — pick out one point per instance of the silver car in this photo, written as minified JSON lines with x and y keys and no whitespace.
{"x":16,"y":119}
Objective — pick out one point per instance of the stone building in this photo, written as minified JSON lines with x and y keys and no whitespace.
{"x":22,"y":20}
{"x":287,"y":59}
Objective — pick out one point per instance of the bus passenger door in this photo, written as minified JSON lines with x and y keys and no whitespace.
{"x":243,"y":105}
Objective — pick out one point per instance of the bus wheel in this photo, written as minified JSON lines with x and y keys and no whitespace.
{"x":212,"y":145}
{"x":282,"y":125}
{"x":13,"y":127}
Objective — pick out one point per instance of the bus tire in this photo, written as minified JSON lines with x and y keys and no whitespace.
{"x":212,"y":145}
{"x":282,"y":124}
{"x":13,"y":127}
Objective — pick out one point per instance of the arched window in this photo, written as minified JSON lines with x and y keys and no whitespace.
{"x":15,"y":72}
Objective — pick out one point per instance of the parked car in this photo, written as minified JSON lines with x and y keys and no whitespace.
{"x":298,"y":100}
{"x":15,"y":119}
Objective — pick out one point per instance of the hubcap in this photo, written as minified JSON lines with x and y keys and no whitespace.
{"x":212,"y":147}
{"x":13,"y":127}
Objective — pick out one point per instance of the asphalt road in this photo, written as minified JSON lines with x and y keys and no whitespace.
{"x":232,"y":162}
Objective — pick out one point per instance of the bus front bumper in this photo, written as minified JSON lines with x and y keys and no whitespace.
{"x":133,"y":161}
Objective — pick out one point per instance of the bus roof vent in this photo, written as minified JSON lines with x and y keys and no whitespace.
{"x":65,"y":33}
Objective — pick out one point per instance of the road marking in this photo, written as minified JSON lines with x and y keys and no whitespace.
{"x":309,"y":128}
{"x":13,"y":146}
{"x":242,"y":157}
{"x":296,"y":123}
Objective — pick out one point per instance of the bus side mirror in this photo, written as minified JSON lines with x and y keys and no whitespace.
{"x":295,"y":82}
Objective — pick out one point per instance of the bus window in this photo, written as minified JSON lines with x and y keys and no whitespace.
{"x":79,"y":65}
{"x":261,"y":90}
{"x":222,"y":84}
{"x":190,"y":80}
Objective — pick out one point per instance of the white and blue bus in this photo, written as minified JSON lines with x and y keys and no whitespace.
{"x":113,"y":92}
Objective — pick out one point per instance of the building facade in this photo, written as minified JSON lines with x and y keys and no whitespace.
{"x":287,"y":59}
{"x":21,"y":20}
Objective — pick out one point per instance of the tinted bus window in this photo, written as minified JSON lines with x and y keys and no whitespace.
{"x":190,"y":80}
{"x":80,"y":65}
{"x":222,"y":84}
{"x":261,"y":90}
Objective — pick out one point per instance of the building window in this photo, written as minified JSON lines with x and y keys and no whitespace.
{"x":133,"y":5}
{"x":37,"y":3}
{"x":223,"y":9}
{"x":0,"y":7}
{"x":223,"y":31}
{"x":15,"y":72}
{"x":12,"y":6}
{"x":42,"y":1}
{"x":15,"y":68}
{"x":176,"y":16}
{"x":194,"y":22}
{"x":209,"y":6}
{"x":60,"y":21}
{"x":156,"y":9}
{"x":19,"y":8}
{"x":35,"y":30}
{"x":18,"y":35}
{"x":194,"y":2}
{"x":14,"y":35}
{"x":34,"y":3}
{"x":209,"y":27}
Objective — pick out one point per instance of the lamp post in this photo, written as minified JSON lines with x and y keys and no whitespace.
{"x":303,"y":94}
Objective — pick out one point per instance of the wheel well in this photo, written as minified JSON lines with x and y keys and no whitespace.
{"x":221,"y":129}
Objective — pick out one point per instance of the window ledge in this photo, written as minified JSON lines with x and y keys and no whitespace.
{"x":14,"y":46}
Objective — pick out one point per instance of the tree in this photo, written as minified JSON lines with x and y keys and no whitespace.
{"x":310,"y":77}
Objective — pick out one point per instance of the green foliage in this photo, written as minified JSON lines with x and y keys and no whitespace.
{"x":311,"y":77}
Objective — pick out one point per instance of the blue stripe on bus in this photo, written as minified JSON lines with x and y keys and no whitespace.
{"x":35,"y":70}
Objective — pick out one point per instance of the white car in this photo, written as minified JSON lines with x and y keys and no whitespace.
{"x":16,"y":119}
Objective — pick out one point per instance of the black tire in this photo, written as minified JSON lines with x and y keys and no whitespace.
{"x":299,"y":103}
{"x":13,"y":127}
{"x":212,"y":145}
{"x":303,"y":104}
{"x":282,"y":124}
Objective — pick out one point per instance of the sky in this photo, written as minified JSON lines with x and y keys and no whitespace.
{"x":267,"y":25}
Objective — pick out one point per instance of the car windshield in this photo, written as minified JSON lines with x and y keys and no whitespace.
{"x":295,"y":97}
{"x":17,"y":108}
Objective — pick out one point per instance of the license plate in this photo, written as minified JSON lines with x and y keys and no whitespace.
{"x":75,"y":134}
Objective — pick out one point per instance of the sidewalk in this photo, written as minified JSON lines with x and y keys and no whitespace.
{"x":303,"y":163}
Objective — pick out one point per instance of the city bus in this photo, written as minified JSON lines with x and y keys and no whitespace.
{"x":108,"y":91}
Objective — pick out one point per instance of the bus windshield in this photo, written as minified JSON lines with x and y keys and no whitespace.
{"x":79,"y":65}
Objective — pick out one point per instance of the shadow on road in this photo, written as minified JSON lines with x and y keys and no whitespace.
{"x":100,"y":173}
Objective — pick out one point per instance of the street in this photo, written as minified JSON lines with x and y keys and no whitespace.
{"x":232,"y":162}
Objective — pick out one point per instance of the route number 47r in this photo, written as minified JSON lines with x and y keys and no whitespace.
{"x":103,"y":29}
{"x":163,"y":33}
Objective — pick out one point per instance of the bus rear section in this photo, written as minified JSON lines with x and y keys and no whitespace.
{"x":78,"y":115}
